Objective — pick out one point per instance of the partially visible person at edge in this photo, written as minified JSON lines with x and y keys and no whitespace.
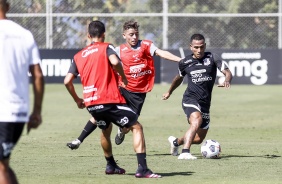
{"x":97,"y":65}
{"x":200,"y":67}
{"x":138,"y":64}
{"x":18,"y":56}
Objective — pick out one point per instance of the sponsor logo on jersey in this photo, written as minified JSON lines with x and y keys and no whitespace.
{"x":197,"y":76}
{"x":92,"y":98}
{"x":202,"y":79}
{"x":136,"y":71}
{"x":145,"y":72}
{"x":136,"y":68}
{"x":198,"y":71}
{"x":88,"y":89}
{"x":87,"y":52}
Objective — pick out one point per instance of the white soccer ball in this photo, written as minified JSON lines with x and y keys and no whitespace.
{"x":210,"y":149}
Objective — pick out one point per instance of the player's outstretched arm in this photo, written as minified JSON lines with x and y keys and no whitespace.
{"x":228,"y":78}
{"x":167,"y":55}
{"x":175,"y":83}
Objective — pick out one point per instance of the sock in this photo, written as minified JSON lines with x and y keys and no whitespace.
{"x":88,"y":129}
{"x":185,"y":150}
{"x":175,"y":142}
{"x":111,"y":161}
{"x":141,"y":159}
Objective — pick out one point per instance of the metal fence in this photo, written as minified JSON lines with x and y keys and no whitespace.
{"x":62,"y":24}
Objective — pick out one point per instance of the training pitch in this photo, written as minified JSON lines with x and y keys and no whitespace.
{"x":245,"y":120}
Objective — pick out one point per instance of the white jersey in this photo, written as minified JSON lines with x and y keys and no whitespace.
{"x":18,"y":51}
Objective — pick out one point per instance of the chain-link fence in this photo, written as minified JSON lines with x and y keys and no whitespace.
{"x":62,"y":24}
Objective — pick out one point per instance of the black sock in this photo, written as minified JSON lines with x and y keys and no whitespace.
{"x":175,"y":142}
{"x":111,"y":161}
{"x":185,"y":151}
{"x":141,"y":159}
{"x":88,"y":129}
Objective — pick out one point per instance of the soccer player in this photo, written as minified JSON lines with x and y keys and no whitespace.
{"x":18,"y":56}
{"x":200,"y":68}
{"x":138,"y":64}
{"x":97,"y":65}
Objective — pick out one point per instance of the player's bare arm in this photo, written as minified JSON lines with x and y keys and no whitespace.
{"x":38,"y":88}
{"x":68,"y":81}
{"x":175,"y":83}
{"x":114,"y":60}
{"x":228,"y":78}
{"x":167,"y":55}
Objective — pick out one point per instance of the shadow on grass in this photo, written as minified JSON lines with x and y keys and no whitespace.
{"x":170,"y":174}
{"x":261,"y":156}
{"x":229,"y":156}
{"x":222,"y":156}
{"x":162,"y":154}
{"x":151,"y":154}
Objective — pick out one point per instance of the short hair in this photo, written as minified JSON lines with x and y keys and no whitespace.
{"x":96,"y":29}
{"x":130,"y":25}
{"x":197,"y":37}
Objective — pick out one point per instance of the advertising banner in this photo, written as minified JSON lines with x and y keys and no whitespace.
{"x":257,"y":67}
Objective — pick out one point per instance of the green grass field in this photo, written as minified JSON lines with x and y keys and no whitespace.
{"x":246,"y":120}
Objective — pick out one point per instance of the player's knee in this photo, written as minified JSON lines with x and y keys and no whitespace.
{"x":195,"y":124}
{"x":137,"y":126}
{"x":196,"y":120}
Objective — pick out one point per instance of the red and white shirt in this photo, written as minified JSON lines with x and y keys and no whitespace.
{"x":99,"y":80}
{"x":138,"y":65}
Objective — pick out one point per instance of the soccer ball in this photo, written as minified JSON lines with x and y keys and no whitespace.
{"x":210,"y":149}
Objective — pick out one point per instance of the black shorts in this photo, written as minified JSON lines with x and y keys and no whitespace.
{"x":9,"y":136}
{"x":134,"y":100}
{"x":120,"y":114}
{"x":191,"y":106}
